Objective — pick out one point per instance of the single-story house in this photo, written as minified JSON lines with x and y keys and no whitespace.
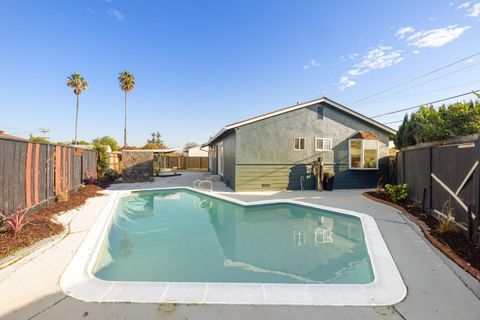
{"x":197,"y":151}
{"x":278,"y":150}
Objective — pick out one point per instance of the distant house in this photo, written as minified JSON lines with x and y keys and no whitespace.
{"x":10,"y":137}
{"x":277,"y":150}
{"x":197,"y":151}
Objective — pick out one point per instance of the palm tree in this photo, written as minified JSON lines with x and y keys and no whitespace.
{"x":127,"y":83}
{"x":78,"y":84}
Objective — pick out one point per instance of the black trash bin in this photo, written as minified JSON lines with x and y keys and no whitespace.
{"x":328,"y":179}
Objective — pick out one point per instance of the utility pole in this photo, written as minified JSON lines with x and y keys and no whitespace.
{"x":44,"y":131}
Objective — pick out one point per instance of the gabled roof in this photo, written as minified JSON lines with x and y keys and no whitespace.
{"x":332,"y":103}
{"x":364,"y":135}
{"x":10,"y":137}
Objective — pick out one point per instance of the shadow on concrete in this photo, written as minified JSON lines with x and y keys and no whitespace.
{"x":58,"y":306}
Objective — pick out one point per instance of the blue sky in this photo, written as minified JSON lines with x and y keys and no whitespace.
{"x":202,"y":64}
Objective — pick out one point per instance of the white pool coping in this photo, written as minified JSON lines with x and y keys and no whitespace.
{"x":79,"y":282}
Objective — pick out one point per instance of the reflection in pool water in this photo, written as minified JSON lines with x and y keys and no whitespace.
{"x":183,"y":236}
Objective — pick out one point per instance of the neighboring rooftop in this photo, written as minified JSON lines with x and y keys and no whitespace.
{"x":152,"y":150}
{"x":10,"y":137}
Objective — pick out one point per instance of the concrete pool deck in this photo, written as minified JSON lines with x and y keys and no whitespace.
{"x":437,"y":288}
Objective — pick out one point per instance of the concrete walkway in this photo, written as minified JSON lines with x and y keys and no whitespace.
{"x":437,"y":288}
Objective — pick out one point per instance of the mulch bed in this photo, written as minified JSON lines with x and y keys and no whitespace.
{"x":454,"y":244}
{"x":40,"y":224}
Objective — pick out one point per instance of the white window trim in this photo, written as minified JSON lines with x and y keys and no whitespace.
{"x":331,"y":144}
{"x":304,"y":143}
{"x":361,"y":155}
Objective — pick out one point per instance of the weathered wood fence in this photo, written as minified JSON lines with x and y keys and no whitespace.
{"x":445,"y":174}
{"x":32,"y":173}
{"x":194,"y":163}
{"x":186,"y":163}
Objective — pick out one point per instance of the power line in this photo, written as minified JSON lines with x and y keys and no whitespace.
{"x":416,"y":78}
{"x":393,"y":122}
{"x":429,"y":92}
{"x":423,"y":104}
{"x":419,"y":84}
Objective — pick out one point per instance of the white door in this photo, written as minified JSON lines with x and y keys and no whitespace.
{"x":220,"y":159}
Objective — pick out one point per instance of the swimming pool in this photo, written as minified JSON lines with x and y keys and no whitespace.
{"x":183,"y":245}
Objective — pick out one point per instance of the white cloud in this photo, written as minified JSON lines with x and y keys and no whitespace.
{"x":377,"y":58}
{"x":435,"y":38}
{"x":115,"y":14}
{"x":351,"y":56}
{"x":345,"y":82}
{"x":415,"y":51}
{"x":403,"y":31}
{"x":464,"y":5}
{"x":380,"y":57}
{"x":474,"y":11}
{"x":312,"y":64}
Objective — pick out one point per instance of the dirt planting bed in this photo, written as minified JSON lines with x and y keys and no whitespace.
{"x":40,"y":224}
{"x":453,"y":244}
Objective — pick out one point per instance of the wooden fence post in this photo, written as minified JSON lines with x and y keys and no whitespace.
{"x":319,"y":169}
{"x":47,"y":175}
{"x":470,"y":223}
{"x":28,"y":176}
{"x":476,"y":211}
{"x":430,"y":187}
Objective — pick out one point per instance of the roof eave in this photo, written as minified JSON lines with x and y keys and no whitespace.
{"x":224,"y":131}
{"x":299,"y":106}
{"x":309,"y":103}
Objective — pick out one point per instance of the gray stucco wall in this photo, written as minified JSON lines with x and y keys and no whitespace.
{"x":212,"y":160}
{"x":270,"y":142}
{"x":229,"y":154}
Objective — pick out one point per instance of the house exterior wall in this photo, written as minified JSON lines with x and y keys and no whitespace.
{"x":229,"y":155}
{"x":212,"y":159}
{"x":229,"y":159}
{"x":266,"y":159}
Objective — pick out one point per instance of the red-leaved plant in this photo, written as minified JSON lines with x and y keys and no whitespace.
{"x":16,"y":220}
{"x":90,"y":177}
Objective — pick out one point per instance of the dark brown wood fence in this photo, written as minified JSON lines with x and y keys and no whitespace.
{"x":32,"y":173}
{"x":447,"y":173}
{"x":186,"y":163}
{"x":194,"y":163}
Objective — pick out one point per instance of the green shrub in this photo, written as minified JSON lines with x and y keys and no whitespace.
{"x":397,"y":192}
{"x":39,"y":139}
{"x":102,"y":160}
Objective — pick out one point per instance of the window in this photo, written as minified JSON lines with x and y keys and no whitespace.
{"x":363,"y":154}
{"x":323,"y":144}
{"x":299,"y":144}
{"x":298,"y":238}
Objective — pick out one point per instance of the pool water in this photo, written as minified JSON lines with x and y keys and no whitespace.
{"x":179,"y":235}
